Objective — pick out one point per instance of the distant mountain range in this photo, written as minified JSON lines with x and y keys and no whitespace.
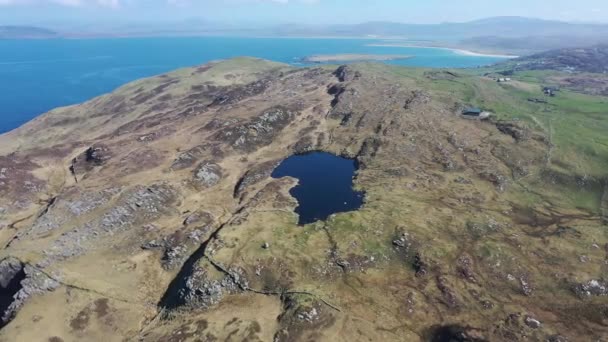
{"x":516,"y":35}
{"x":497,"y":26}
{"x":25,"y":32}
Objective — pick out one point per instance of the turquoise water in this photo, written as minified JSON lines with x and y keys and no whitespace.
{"x":38,"y":75}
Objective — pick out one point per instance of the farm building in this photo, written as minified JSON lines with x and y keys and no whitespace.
{"x":475,"y":113}
{"x":472,"y":111}
{"x":551,"y":91}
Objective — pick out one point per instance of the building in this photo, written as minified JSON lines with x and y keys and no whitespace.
{"x":550,"y":91}
{"x":472,"y":111}
{"x":475,"y":113}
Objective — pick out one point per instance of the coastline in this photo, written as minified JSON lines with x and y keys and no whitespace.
{"x":455,"y":50}
{"x":353,"y":57}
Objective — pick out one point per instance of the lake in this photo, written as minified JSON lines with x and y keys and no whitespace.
{"x":39,"y":75}
{"x":325,"y":185}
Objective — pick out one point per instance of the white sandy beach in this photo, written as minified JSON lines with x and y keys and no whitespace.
{"x":457,"y":51}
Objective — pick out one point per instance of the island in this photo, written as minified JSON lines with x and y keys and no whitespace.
{"x":353,"y":57}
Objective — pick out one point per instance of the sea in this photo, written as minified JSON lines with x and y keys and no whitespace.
{"x":39,"y":75}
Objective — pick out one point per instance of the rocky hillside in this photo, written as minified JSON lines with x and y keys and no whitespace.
{"x":149,"y":214}
{"x":592,"y":59}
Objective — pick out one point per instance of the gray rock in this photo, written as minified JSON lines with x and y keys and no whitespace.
{"x":259,"y":131}
{"x":310,"y":315}
{"x":139,"y":205}
{"x":532,"y":322}
{"x":151,"y":245}
{"x":208,"y":174}
{"x":203,"y":292}
{"x":174,"y":256}
{"x":183,"y":161}
{"x":9,"y":268}
{"x":33,"y":282}
{"x":591,"y":288}
{"x":254,"y":176}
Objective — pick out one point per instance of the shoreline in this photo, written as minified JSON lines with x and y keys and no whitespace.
{"x":462,"y":52}
{"x":353,"y":57}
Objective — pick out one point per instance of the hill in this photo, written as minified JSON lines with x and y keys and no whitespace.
{"x":505,"y":27}
{"x":590,"y":59}
{"x":14,"y":32}
{"x":151,"y":213}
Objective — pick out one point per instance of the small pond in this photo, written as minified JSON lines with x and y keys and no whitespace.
{"x":325,"y":185}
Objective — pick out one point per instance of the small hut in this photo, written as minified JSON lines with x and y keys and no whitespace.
{"x":472,"y":111}
{"x":475,"y":113}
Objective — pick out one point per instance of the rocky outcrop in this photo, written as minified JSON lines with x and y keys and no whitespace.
{"x":139,"y":205}
{"x":94,"y":156}
{"x":18,"y":282}
{"x":203,"y":292}
{"x":518,"y":133}
{"x":254,"y":176}
{"x":300,"y":319}
{"x":258,"y":132}
{"x":207,"y":175}
{"x":345,"y":74}
{"x":593,"y":287}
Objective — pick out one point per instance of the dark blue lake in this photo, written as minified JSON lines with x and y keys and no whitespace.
{"x":39,"y":75}
{"x":325,"y":187}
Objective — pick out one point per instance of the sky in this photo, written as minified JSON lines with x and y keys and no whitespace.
{"x":65,"y":12}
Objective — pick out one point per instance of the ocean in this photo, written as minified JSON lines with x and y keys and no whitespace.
{"x":39,"y":75}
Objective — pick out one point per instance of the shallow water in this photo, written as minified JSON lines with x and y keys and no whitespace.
{"x":325,"y":185}
{"x":39,"y":75}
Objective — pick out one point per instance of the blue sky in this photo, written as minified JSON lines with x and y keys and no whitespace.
{"x":301,"y":11}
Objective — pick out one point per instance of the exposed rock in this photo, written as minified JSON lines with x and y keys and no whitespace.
{"x":403,"y":241}
{"x":305,"y":144}
{"x":420,"y":266}
{"x":345,"y":74}
{"x":18,"y":282}
{"x":499,"y":180}
{"x":203,"y":292}
{"x":173,"y":256}
{"x":301,"y":320}
{"x":207,"y":175}
{"x":200,"y":218}
{"x":254,"y":176}
{"x":189,"y":158}
{"x":237,"y":93}
{"x":258,"y":132}
{"x":532,"y":322}
{"x":139,"y":205}
{"x":518,"y":133}
{"x":591,"y":288}
{"x":93,"y":157}
{"x":449,"y":295}
{"x":183,"y":161}
{"x":465,"y":268}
